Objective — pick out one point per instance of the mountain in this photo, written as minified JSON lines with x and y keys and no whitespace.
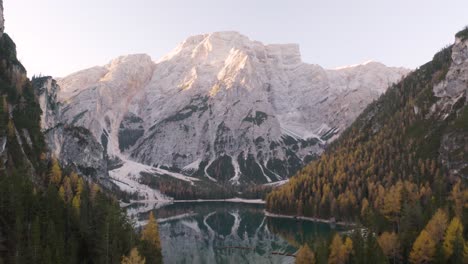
{"x":405,"y":157}
{"x":219,"y":108}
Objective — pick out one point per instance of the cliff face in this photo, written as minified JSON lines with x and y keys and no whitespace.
{"x":75,"y":147}
{"x":452,"y":104}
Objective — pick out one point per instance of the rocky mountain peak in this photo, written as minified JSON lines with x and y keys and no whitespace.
{"x":217,"y":47}
{"x":220,"y":107}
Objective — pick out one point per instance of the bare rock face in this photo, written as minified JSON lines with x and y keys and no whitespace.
{"x":46,"y":89}
{"x":453,"y":104}
{"x":456,"y":81}
{"x":73,"y":146}
{"x":220,"y":106}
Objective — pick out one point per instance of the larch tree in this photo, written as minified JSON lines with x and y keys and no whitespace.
{"x":151,"y":232}
{"x":423,"y":250}
{"x":133,"y":258}
{"x":348,"y":246}
{"x":339,"y":251}
{"x":392,"y":203}
{"x":437,"y":225}
{"x":151,"y":245}
{"x":62,"y":193}
{"x":390,"y":245}
{"x":459,"y":196}
{"x":305,"y":256}
{"x":76,"y":203}
{"x":453,"y":241}
{"x":55,"y":173}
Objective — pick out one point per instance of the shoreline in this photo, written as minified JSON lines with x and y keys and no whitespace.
{"x":230,"y":200}
{"x":311,"y":219}
{"x":250,"y":201}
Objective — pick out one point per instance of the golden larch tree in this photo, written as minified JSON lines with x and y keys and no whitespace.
{"x":133,"y":258}
{"x":305,"y":256}
{"x":151,"y":232}
{"x":389,"y":244}
{"x":55,"y":173}
{"x":437,"y":225}
{"x":424,"y":249}
{"x":339,"y":252}
{"x":453,"y":235}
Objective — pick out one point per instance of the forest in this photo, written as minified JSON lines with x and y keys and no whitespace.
{"x":47,"y":214}
{"x":385,"y":174}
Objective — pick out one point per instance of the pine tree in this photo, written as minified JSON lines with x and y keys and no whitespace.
{"x":36,"y":240}
{"x":305,"y":256}
{"x":67,"y":189}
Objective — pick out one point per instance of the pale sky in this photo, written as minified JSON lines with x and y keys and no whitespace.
{"x":58,"y":37}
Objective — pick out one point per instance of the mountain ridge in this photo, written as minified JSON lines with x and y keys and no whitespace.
{"x":220,"y":106}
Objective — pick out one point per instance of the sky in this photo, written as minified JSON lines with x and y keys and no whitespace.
{"x":59,"y":37}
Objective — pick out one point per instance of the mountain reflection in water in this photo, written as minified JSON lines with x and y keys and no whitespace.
{"x":219,"y":232}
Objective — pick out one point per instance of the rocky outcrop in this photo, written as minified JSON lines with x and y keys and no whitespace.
{"x":76,"y":147}
{"x":46,"y":89}
{"x":456,"y":81}
{"x":452,"y":106}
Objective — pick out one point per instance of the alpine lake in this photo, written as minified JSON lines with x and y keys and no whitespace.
{"x":224,"y":232}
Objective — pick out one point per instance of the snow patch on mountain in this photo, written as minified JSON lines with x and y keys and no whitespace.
{"x":219,"y":106}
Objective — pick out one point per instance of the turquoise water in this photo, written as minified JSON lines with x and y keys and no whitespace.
{"x":219,"y":232}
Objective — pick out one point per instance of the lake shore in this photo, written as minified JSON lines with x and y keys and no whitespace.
{"x":311,"y":219}
{"x":231,"y":200}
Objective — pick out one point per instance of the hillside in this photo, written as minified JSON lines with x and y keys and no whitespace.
{"x":403,"y":158}
{"x":50,"y":215}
